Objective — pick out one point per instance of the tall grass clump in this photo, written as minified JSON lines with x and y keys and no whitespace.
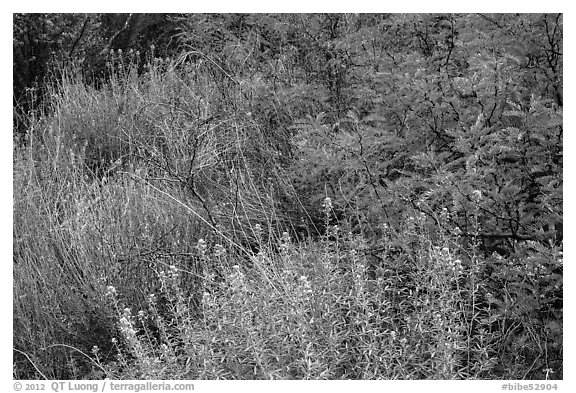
{"x":114,"y":184}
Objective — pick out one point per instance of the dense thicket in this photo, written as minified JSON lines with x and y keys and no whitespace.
{"x":417,"y":154}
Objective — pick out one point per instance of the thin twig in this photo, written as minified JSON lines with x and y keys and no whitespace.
{"x":31,"y":362}
{"x":76,"y":349}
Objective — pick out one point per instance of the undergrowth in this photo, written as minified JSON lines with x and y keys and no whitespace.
{"x":157,"y":236}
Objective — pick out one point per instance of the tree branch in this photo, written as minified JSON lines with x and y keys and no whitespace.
{"x":79,"y":36}
{"x":111,"y":40}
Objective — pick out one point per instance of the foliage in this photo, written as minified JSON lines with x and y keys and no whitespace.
{"x":288,"y":196}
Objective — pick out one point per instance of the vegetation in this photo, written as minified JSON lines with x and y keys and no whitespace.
{"x":288,"y":196}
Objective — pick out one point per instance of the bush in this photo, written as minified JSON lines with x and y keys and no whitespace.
{"x":314,"y":197}
{"x":328,"y":311}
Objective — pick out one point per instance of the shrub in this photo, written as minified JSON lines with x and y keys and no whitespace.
{"x":327,"y":311}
